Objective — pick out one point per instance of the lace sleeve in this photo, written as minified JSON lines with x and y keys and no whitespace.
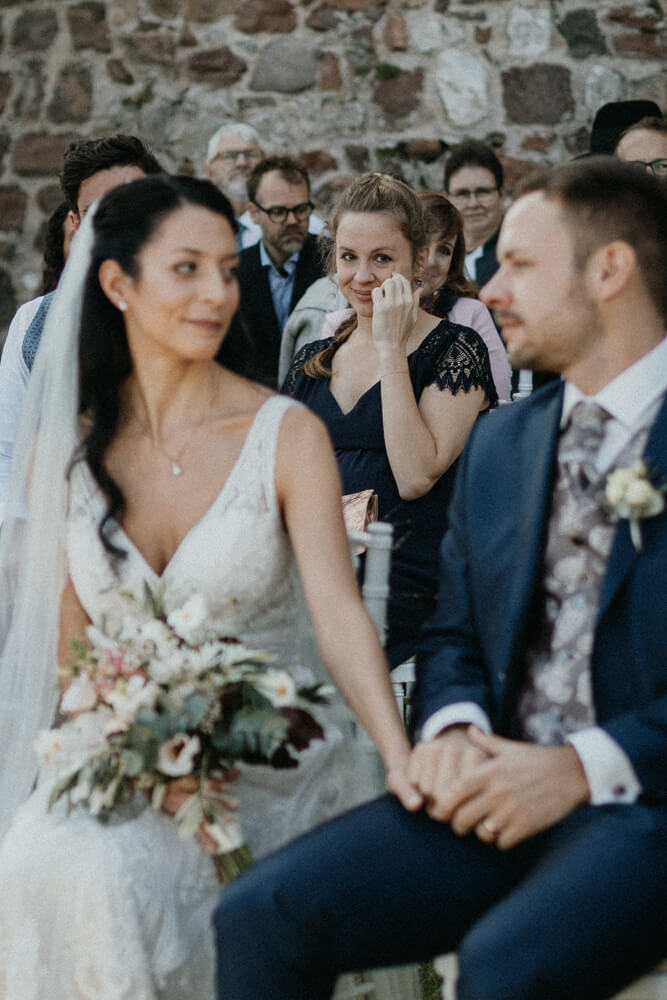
{"x":460,"y":362}
{"x":295,"y":371}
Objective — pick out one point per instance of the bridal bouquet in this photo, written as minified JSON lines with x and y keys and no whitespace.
{"x":167,"y":697}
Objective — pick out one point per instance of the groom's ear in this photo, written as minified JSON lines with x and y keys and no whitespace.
{"x":113,"y":281}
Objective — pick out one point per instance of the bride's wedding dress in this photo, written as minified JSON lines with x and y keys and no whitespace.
{"x":123,"y":911}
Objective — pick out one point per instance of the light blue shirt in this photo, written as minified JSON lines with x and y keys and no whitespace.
{"x":281,"y":284}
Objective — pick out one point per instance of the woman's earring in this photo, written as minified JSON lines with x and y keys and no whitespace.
{"x":418,"y":282}
{"x":122,"y":305}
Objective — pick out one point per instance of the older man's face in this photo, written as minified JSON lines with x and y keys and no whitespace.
{"x":232,"y":164}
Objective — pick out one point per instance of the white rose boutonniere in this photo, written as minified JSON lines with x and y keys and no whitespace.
{"x":631,"y":494}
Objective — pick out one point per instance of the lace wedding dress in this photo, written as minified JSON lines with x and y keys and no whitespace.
{"x":123,"y":911}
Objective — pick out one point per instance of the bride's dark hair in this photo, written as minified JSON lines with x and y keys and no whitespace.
{"x":126,"y":219}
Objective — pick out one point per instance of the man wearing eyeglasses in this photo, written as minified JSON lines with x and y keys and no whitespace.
{"x":233,"y":151}
{"x":645,"y":145}
{"x":274,"y":273}
{"x":474,"y":185}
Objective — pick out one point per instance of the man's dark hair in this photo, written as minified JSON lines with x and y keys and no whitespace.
{"x":606,"y":200}
{"x":85,"y":157}
{"x":472,"y":153}
{"x":289,"y":169}
{"x":53,"y":260}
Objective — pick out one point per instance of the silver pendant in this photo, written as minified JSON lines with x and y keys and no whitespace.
{"x":176,"y":468}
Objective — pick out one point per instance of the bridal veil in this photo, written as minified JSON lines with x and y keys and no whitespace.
{"x":32,"y":539}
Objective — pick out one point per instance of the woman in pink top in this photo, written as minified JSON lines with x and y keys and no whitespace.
{"x":447,"y":292}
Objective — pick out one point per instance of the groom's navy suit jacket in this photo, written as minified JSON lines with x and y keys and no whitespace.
{"x":491,"y":565}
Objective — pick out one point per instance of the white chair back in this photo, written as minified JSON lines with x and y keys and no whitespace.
{"x":377,"y":541}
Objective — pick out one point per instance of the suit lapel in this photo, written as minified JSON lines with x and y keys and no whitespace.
{"x":535,"y":470}
{"x":623,"y":552}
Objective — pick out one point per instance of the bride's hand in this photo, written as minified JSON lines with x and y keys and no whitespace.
{"x":399,"y":785}
{"x":395,"y":311}
{"x":181,"y":789}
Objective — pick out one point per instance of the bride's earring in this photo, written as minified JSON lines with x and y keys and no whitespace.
{"x":122,"y":305}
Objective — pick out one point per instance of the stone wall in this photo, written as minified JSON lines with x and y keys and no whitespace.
{"x":349,"y":84}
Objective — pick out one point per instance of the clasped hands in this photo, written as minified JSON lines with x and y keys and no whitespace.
{"x":500,"y":790}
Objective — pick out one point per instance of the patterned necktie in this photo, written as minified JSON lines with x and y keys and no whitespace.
{"x":556,"y":698}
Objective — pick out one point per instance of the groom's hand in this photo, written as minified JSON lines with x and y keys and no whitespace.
{"x":435,"y":765}
{"x":517,"y":791}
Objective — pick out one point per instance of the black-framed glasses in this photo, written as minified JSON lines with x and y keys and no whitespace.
{"x":657,"y":167}
{"x":279,"y":213}
{"x":479,"y":194}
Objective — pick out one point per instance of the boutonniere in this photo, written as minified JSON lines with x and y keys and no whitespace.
{"x":631,"y":494}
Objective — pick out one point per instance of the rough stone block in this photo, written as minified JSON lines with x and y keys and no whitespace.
{"x":34,"y":30}
{"x":462,"y":84}
{"x":49,"y":197}
{"x":286,"y":65}
{"x":29,"y":89}
{"x":358,"y":157}
{"x":13,"y":201}
{"x":39,"y":154}
{"x":642,"y":43}
{"x":219,"y":67}
{"x":529,"y":32}
{"x":580,"y":30}
{"x":118,"y":71}
{"x":328,"y":73}
{"x":266,"y":15}
{"x":317,"y":161}
{"x":73,"y":95}
{"x":537,"y":94}
{"x":396,"y":33}
{"x":5,"y":89}
{"x":322,"y":18}
{"x":154,"y":47}
{"x":88,"y":26}
{"x":603,"y":85}
{"x":399,"y":94}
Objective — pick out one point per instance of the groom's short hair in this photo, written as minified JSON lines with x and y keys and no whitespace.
{"x":85,"y":157}
{"x":605,"y":200}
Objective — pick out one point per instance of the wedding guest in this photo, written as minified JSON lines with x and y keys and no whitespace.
{"x":90,"y":168}
{"x":147,"y":462}
{"x":541,"y":702}
{"x":473,"y":182}
{"x":398,"y":389}
{"x":645,"y":145}
{"x":274,"y":274}
{"x":234,"y":150}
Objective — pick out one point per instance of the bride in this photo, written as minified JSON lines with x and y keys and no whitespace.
{"x":142,"y":459}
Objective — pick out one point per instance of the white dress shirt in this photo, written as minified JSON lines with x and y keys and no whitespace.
{"x":14,"y":376}
{"x":632,"y":399}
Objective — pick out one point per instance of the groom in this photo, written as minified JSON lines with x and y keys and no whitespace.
{"x":540,"y":853}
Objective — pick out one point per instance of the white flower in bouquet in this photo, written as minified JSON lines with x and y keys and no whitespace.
{"x":158,"y":635}
{"x":277,"y":686}
{"x":226,"y":832}
{"x":189,"y":620}
{"x":176,"y":755}
{"x":167,"y":667}
{"x":135,"y":694}
{"x":80,"y":696}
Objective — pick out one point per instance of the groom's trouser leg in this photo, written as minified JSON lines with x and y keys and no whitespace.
{"x":588,"y":917}
{"x":377,"y":886}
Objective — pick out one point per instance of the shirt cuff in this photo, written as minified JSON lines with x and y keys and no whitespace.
{"x":611,"y":777}
{"x":461,"y":713}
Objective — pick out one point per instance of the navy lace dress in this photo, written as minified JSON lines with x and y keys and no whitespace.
{"x":454,"y":358}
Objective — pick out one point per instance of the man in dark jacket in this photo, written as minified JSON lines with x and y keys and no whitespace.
{"x":274,"y":274}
